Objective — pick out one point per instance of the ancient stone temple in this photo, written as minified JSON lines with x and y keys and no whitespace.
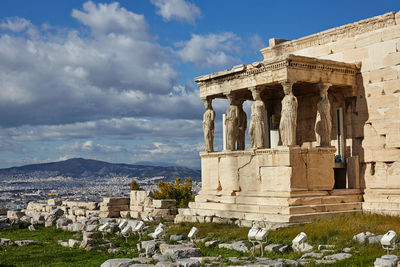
{"x":324,"y":129}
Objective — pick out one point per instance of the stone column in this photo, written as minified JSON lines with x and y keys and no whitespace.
{"x":242,"y":126}
{"x":323,"y":121}
{"x":208,"y":125}
{"x":256,"y":128}
{"x":231,"y":122}
{"x":288,"y":122}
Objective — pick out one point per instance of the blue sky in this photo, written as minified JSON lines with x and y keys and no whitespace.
{"x":114,"y":80}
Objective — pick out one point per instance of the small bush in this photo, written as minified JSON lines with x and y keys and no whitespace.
{"x":134,"y":185}
{"x":182,"y":193}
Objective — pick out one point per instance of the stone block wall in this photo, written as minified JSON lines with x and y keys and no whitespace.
{"x":112,"y":207}
{"x":73,"y":210}
{"x":143,"y":206}
{"x":373,"y":128}
{"x":139,"y":205}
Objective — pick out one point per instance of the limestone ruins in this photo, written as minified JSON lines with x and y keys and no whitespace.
{"x":324,"y":129}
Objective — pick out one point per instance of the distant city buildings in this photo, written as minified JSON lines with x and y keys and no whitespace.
{"x":16,"y":192}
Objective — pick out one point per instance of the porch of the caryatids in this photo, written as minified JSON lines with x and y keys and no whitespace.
{"x":288,"y":122}
{"x":323,"y":121}
{"x":232,"y":122}
{"x":256,"y":128}
{"x":242,"y":126}
{"x":208,"y":125}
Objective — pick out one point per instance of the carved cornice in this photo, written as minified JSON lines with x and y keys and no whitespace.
{"x":286,"y":62}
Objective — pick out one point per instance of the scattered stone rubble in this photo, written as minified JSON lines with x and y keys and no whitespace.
{"x":8,"y":242}
{"x":386,"y":261}
{"x":64,"y":215}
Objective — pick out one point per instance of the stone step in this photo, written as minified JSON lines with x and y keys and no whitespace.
{"x":195,"y":215}
{"x":276,"y":209}
{"x":282,"y":201}
{"x":326,"y":208}
{"x":382,"y":208}
{"x":300,"y":218}
{"x":270,"y":217}
{"x":388,"y":198}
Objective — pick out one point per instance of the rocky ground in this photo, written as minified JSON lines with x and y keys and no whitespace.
{"x":168,"y":244}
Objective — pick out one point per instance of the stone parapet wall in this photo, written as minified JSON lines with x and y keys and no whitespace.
{"x":267,"y":171}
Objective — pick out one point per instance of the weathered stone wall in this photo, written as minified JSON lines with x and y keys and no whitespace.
{"x":144,"y":206}
{"x":73,"y":210}
{"x":139,"y":205}
{"x":372,"y":120}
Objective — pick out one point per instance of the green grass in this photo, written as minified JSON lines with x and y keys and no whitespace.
{"x":47,"y":252}
{"x":337,"y":231}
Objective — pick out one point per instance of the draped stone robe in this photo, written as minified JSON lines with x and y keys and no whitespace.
{"x":208,"y":128}
{"x":288,"y":123}
{"x":256,"y":130}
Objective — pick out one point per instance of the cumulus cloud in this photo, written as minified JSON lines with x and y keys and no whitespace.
{"x":105,"y":19}
{"x":15,"y":24}
{"x":177,"y":9}
{"x":257,"y":42}
{"x":210,"y":50}
{"x":117,"y":140}
{"x":116,"y":71}
{"x":165,"y":152}
{"x":113,"y":129}
{"x":106,"y":90}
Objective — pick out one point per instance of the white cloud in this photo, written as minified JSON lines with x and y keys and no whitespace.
{"x":15,"y":24}
{"x":177,"y":9}
{"x":210,"y":50}
{"x":166,"y":151}
{"x":104,"y":19}
{"x":107,"y":90}
{"x":117,"y":129}
{"x":118,"y":71}
{"x":257,"y":42}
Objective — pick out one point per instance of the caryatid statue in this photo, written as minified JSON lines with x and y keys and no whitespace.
{"x":231,"y":123}
{"x":288,"y":123}
{"x":256,"y":128}
{"x":208,"y":125}
{"x":323,"y":121}
{"x":242,"y":126}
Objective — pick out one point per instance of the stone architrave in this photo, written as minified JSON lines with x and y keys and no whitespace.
{"x":208,"y":126}
{"x":288,"y":122}
{"x":256,"y":128}
{"x":231,"y":123}
{"x":323,"y":121}
{"x":242,"y":125}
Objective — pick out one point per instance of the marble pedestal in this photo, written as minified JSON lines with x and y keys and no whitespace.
{"x":270,"y":187}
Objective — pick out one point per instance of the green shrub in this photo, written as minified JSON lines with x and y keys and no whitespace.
{"x":181,"y":192}
{"x":134,"y":185}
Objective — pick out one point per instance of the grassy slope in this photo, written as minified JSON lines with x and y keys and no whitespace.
{"x":47,"y":252}
{"x":338,"y":231}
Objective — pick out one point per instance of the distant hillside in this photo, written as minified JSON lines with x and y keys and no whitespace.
{"x":88,"y":168}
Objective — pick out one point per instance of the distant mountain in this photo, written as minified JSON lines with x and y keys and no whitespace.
{"x":88,"y":168}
